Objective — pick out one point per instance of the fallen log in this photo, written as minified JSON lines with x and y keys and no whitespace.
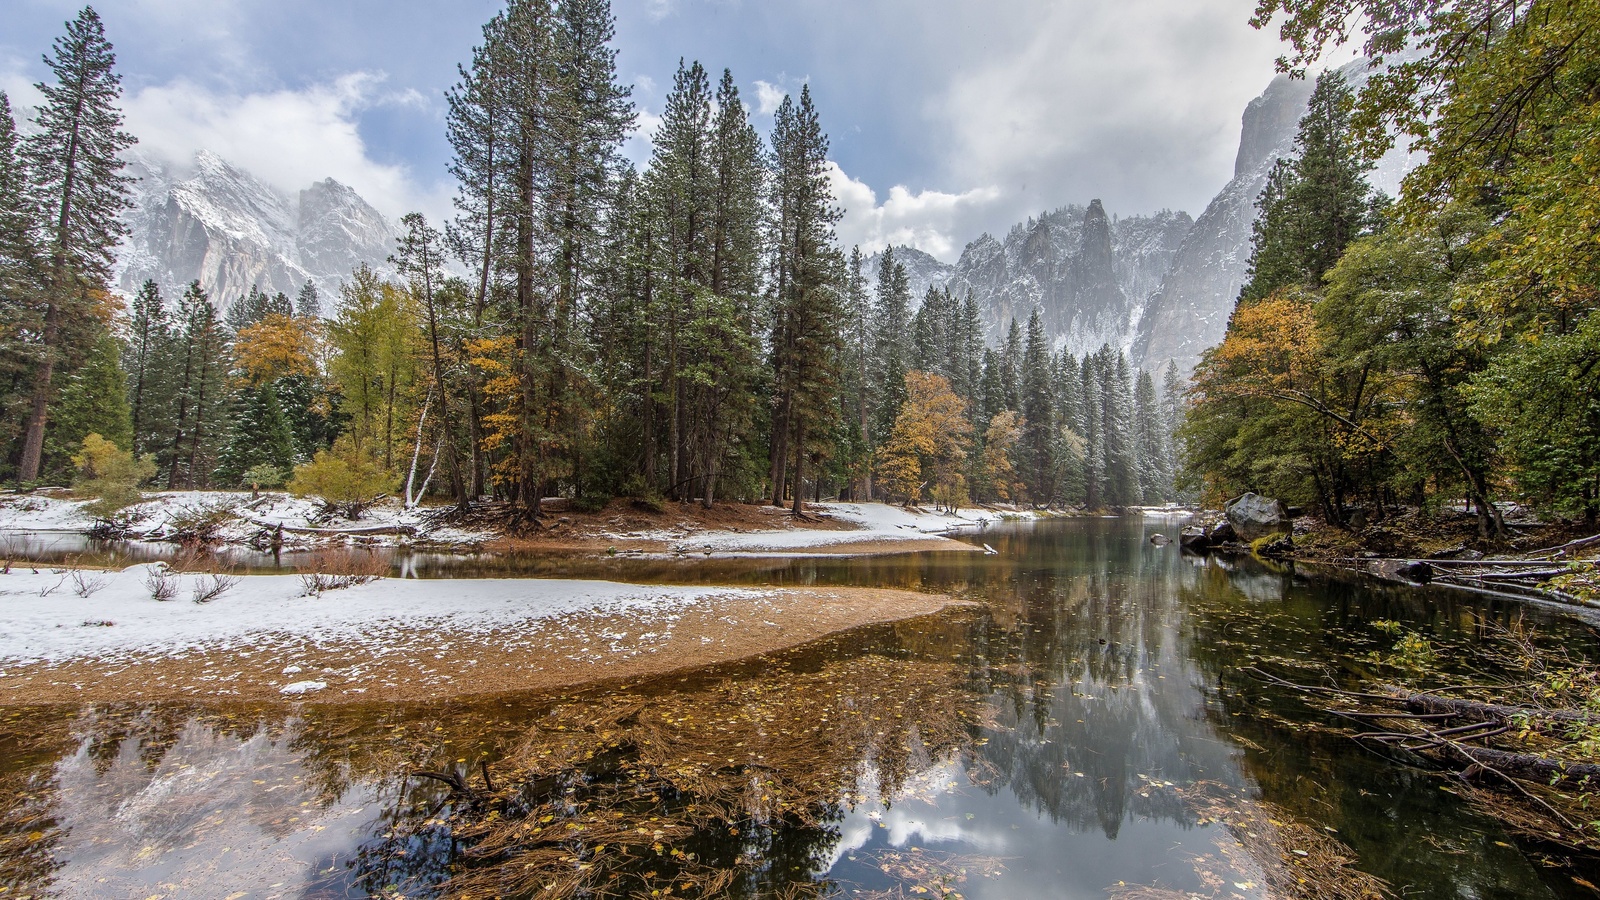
{"x":403,"y":530}
{"x":1584,"y":776}
{"x":1493,"y":712}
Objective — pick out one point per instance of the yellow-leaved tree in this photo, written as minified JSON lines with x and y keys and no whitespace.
{"x":928,"y":444}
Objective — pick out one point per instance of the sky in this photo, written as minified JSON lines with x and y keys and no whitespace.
{"x":947,"y":118}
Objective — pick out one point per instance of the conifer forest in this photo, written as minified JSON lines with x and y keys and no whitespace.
{"x":691,"y":332}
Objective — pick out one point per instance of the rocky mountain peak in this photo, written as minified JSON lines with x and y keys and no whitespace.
{"x":211,"y":221}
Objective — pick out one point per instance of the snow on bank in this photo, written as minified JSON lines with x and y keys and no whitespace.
{"x":43,"y":618}
{"x":876,"y":523}
{"x":159,"y":514}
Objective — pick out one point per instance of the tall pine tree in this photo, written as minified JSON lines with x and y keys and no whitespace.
{"x":76,"y":183}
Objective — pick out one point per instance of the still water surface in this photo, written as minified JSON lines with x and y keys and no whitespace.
{"x":1041,"y":748}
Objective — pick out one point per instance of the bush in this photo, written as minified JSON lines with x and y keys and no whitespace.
{"x":110,"y":474}
{"x":347,"y":482}
{"x":264,"y":475}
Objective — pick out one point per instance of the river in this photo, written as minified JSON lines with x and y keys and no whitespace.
{"x":1088,"y":734}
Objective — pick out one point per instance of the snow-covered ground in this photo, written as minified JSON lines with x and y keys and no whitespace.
{"x":876,"y":522}
{"x":158,"y":514}
{"x":45,"y":617}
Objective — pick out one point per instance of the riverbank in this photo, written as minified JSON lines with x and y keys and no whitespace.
{"x":85,"y":636}
{"x":622,"y":527}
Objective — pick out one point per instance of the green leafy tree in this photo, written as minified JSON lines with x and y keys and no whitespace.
{"x":93,"y":400}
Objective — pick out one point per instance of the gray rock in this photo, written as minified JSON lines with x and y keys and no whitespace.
{"x":1223,"y":533}
{"x":1417,"y":572}
{"x":1160,"y":540}
{"x":1193,"y":537}
{"x":1254,"y":516}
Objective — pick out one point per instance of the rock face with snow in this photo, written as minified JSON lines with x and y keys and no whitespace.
{"x":1190,"y":310}
{"x":217,"y":224}
{"x":923,"y":271}
{"x":1088,"y":273}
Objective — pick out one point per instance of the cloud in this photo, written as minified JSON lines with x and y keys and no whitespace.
{"x":934,"y":222}
{"x":287,"y":138}
{"x":1137,"y":102}
{"x":768,"y":97}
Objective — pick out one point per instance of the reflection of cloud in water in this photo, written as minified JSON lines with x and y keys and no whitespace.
{"x":915,"y":815}
{"x":212,"y":815}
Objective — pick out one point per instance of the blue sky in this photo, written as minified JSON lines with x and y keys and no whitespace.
{"x":947,"y":118}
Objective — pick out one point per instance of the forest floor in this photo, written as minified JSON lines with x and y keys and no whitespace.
{"x":218,"y":518}
{"x":78,"y":635}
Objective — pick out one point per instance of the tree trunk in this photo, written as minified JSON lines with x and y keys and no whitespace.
{"x":39,"y":411}
{"x":799,"y":467}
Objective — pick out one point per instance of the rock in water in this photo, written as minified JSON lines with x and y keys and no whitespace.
{"x":1254,"y":516}
{"x":1222,"y":533}
{"x":1193,"y":537}
{"x":1159,"y":539}
{"x":1417,"y":572}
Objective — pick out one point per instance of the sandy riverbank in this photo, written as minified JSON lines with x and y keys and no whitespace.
{"x":393,"y":639}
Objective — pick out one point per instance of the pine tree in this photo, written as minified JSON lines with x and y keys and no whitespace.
{"x":805,"y":289}
{"x":93,"y":400}
{"x":148,"y":344}
{"x":21,"y":309}
{"x":1315,"y":204}
{"x":858,"y":383}
{"x":1038,"y":413}
{"x":1150,"y":442}
{"x":1011,"y":366}
{"x":76,"y":183}
{"x":891,"y":319}
{"x":258,"y":435}
{"x":308,"y":303}
{"x":200,"y":368}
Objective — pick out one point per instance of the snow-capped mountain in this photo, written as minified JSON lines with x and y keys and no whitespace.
{"x":1087,"y":272}
{"x":923,"y":271}
{"x":211,"y":222}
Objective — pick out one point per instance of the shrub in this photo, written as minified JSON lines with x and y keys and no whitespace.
{"x":212,"y":586}
{"x":346,"y":482}
{"x":161,"y":583}
{"x":110,"y":474}
{"x":264,"y":475}
{"x":197,"y":526}
{"x":332,"y":570}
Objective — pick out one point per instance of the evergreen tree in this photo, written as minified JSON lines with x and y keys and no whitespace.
{"x":200,"y":368}
{"x":1150,"y":442}
{"x":93,"y":400}
{"x":148,"y":345}
{"x":258,"y":435}
{"x":1315,"y":204}
{"x":857,"y":372}
{"x":1038,"y":413}
{"x":76,"y":183}
{"x":805,"y":292}
{"x":891,"y":320}
{"x":21,"y":309}
{"x":308,"y":303}
{"x":1011,"y":366}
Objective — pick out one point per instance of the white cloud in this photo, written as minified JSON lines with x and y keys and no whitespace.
{"x":287,"y":138}
{"x":768,"y":97}
{"x":934,"y":222}
{"x":1137,"y":102}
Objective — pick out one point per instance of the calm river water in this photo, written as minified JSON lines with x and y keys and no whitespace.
{"x":1058,"y":744}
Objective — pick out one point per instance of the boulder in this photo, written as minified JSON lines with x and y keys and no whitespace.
{"x":1193,"y":537}
{"x":1159,"y":539}
{"x":1416,"y":572}
{"x":1254,"y":516}
{"x":1223,"y":533}
{"x":1280,"y":547}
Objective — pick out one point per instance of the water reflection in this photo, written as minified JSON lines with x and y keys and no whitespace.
{"x":1054,"y":746}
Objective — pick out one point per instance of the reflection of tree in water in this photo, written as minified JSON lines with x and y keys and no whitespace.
{"x":1400,"y":823}
{"x":30,"y":742}
{"x":733,"y":780}
{"x":1093,"y":692}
